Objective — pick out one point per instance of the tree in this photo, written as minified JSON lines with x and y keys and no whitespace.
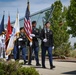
{"x":71,"y":18}
{"x":59,"y":26}
{"x":74,"y":45}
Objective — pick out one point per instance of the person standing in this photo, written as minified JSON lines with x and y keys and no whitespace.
{"x":2,"y":45}
{"x":20,"y":44}
{"x":47,"y":44}
{"x":34,"y":45}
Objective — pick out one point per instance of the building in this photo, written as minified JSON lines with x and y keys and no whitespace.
{"x":38,"y":17}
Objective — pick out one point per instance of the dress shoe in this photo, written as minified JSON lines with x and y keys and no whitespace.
{"x":43,"y":67}
{"x":29,"y":64}
{"x":52,"y":67}
{"x":38,"y":64}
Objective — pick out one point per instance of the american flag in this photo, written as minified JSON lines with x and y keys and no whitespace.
{"x":27,"y":23}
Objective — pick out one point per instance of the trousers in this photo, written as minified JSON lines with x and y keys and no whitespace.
{"x":16,"y":53}
{"x":35,"y":49}
{"x":49,"y":49}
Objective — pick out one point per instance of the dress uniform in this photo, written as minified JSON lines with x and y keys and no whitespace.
{"x":20,"y":44}
{"x":47,"y":44}
{"x":35,"y":44}
{"x":2,"y":46}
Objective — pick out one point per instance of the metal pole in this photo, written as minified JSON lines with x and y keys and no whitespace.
{"x":51,"y":12}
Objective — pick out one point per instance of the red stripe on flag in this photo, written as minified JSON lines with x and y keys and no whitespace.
{"x":28,"y":29}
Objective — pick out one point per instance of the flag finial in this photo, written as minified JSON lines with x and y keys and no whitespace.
{"x":27,"y":1}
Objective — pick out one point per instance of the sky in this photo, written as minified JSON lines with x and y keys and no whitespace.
{"x":11,"y":6}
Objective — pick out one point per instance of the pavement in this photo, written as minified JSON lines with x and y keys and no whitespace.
{"x":62,"y":68}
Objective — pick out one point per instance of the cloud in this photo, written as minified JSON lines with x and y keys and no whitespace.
{"x":6,"y":0}
{"x":35,"y":5}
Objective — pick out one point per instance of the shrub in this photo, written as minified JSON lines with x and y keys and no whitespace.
{"x":73,"y":53}
{"x":27,"y":71}
{"x":14,"y":68}
{"x":63,"y":50}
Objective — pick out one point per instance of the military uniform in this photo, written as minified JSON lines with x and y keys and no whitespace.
{"x":20,"y":44}
{"x":35,"y":46}
{"x":2,"y":38}
{"x":0,"y":46}
{"x":47,"y":44}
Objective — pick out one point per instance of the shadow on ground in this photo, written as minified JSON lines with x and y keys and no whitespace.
{"x":66,"y":60}
{"x":70,"y":73}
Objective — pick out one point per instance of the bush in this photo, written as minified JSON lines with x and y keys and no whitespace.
{"x":63,"y":50}
{"x":14,"y":68}
{"x":73,"y":53}
{"x":27,"y":71}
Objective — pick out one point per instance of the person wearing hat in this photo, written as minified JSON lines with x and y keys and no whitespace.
{"x":20,"y":44}
{"x":47,"y":44}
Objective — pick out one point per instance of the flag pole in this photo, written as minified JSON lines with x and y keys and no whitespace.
{"x":3,"y":12}
{"x":51,"y":12}
{"x":30,"y":47}
{"x":18,"y":54}
{"x":29,"y":50}
{"x":17,"y":10}
{"x":3,"y":35}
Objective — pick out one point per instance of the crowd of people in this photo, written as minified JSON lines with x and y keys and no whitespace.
{"x":20,"y":44}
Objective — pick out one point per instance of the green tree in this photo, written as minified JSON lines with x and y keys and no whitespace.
{"x":71,"y":18}
{"x":59,"y":26}
{"x":74,"y":45}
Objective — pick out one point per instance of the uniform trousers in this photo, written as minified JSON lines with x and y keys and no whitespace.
{"x":16,"y":53}
{"x":49,"y":49}
{"x":36,"y":50}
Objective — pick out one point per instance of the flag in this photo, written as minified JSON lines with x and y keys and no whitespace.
{"x":16,"y":26}
{"x":2,"y":26}
{"x":27,"y":23}
{"x":8,"y":32}
{"x":13,"y":35}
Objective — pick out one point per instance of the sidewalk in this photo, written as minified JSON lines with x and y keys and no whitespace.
{"x":62,"y":68}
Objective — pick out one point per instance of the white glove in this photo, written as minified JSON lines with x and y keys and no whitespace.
{"x":19,"y":46}
{"x":20,"y":39}
{"x":32,"y":35}
{"x":53,"y":47}
{"x":45,"y":40}
{"x":6,"y":57}
{"x":30,"y":43}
